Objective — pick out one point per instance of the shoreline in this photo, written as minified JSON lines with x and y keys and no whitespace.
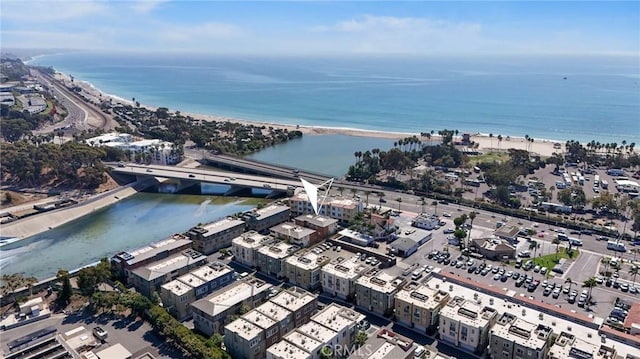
{"x":543,"y":147}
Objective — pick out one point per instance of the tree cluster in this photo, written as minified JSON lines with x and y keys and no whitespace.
{"x":74,"y":164}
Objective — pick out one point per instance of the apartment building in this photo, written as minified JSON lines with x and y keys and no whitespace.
{"x":515,"y":338}
{"x":341,"y":209}
{"x":339,"y":277}
{"x":341,"y":320}
{"x":245,"y":246}
{"x":178,"y":294}
{"x":148,"y":278}
{"x":376,"y":290}
{"x":260,"y":220}
{"x":327,"y":336}
{"x":567,"y":345}
{"x":322,"y":225}
{"x":286,"y":350}
{"x":303,"y":269}
{"x":244,"y":340}
{"x":299,"y":302}
{"x":466,"y":324}
{"x":270,"y":258}
{"x":126,"y":261}
{"x":293,"y":234}
{"x":274,"y":319}
{"x":212,"y":312}
{"x":386,"y":344}
{"x":418,"y":306}
{"x":212,"y":237}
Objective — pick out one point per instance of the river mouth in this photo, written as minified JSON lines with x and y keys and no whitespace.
{"x":131,"y":223}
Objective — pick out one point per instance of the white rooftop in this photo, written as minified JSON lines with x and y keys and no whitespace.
{"x":306,"y":260}
{"x":221,"y":225}
{"x":286,"y":350}
{"x":337,"y":317}
{"x":274,"y":311}
{"x":304,"y":342}
{"x":259,"y":319}
{"x":276,"y":250}
{"x":348,"y":269}
{"x":422,"y":296}
{"x":320,"y":332}
{"x":251,"y":239}
{"x":380,"y":282}
{"x":227,"y":297}
{"x":244,"y":329}
{"x":293,"y":299}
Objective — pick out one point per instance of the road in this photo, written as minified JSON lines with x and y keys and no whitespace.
{"x":81,"y":115}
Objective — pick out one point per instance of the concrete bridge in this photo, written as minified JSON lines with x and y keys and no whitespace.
{"x":174,"y":179}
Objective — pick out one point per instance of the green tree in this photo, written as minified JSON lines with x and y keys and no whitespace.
{"x":65,"y":294}
{"x":534,"y":245}
{"x":399,"y":200}
{"x":361,"y":338}
{"x":634,"y":271}
{"x":590,"y":283}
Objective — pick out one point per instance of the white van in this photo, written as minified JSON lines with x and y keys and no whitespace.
{"x":417,"y":274}
{"x":419,"y":353}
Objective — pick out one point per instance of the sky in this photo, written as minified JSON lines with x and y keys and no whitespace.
{"x":327,"y":27}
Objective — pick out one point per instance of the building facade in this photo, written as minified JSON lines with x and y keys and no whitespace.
{"x":339,"y":277}
{"x":296,"y":235}
{"x":375,"y":291}
{"x":212,"y":312}
{"x":212,"y":237}
{"x":322,"y":225}
{"x":270,"y":258}
{"x":178,"y":294}
{"x":466,"y":324}
{"x":245,"y":247}
{"x":304,"y":269}
{"x":418,"y":306}
{"x":341,"y":209}
{"x":260,"y":220}
{"x":514,"y":338}
{"x":148,"y":279}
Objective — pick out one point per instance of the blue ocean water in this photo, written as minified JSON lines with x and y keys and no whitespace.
{"x":516,"y":96}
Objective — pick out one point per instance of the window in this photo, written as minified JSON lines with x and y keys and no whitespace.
{"x":463,"y":334}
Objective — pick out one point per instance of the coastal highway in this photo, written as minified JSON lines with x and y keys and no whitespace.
{"x":81,"y":115}
{"x":209,"y":176}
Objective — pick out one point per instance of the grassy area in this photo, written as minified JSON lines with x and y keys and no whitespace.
{"x":47,"y":111}
{"x":550,"y":260}
{"x":489,"y":157}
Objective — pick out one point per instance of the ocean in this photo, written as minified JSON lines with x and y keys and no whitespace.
{"x":555,"y":97}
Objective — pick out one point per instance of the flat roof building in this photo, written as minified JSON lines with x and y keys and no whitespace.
{"x":376,"y":290}
{"x":270,"y":258}
{"x":293,"y":234}
{"x":494,"y":248}
{"x":339,"y":277}
{"x":127,"y":261}
{"x":568,"y":345}
{"x":322,"y":225}
{"x":285,"y":350}
{"x":212,"y":312}
{"x":260,"y":220}
{"x":148,"y":278}
{"x":303,"y":269}
{"x":386,"y":344}
{"x":245,"y":246}
{"x":515,"y":338}
{"x":341,"y":320}
{"x":212,"y":237}
{"x":178,"y":294}
{"x":466,"y":324}
{"x":418,"y":306}
{"x":342,"y":209}
{"x":244,"y":340}
{"x":299,"y":302}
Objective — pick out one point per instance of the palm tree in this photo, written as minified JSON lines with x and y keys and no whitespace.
{"x":435,"y":207}
{"x":399,"y":200}
{"x":491,"y":138}
{"x":422,"y":203}
{"x":606,"y":261}
{"x":633,"y":271}
{"x":590,"y":283}
{"x":556,"y":241}
{"x":499,"y":141}
{"x":472,"y":216}
{"x":367,"y":193}
{"x":534,"y":245}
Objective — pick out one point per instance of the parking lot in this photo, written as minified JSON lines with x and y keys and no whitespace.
{"x":135,"y":335}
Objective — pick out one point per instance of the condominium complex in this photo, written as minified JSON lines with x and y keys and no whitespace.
{"x":466,"y":324}
{"x":418,"y":306}
{"x":376,"y":290}
{"x":293,"y":234}
{"x":156,"y":151}
{"x":341,"y":320}
{"x":126,"y":261}
{"x":260,"y":220}
{"x":341,"y":209}
{"x":245,"y":246}
{"x":515,"y":338}
{"x":178,"y":294}
{"x":267,"y":324}
{"x":212,"y":312}
{"x":304,"y":269}
{"x":322,"y":225}
{"x":567,"y":345}
{"x":148,"y":279}
{"x":339,"y":277}
{"x":386,"y":344}
{"x":270,"y":259}
{"x":212,"y":237}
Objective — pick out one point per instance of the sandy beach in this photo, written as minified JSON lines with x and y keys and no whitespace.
{"x":540,"y":146}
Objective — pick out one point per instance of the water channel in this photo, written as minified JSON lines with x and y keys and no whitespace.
{"x":128,"y":224}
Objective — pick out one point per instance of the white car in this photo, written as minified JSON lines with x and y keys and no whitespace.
{"x":448,"y":231}
{"x":446,"y":214}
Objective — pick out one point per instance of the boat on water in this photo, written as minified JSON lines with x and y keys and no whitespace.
{"x":8,"y":240}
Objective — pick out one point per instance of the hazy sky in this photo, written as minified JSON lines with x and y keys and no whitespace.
{"x":329,"y":27}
